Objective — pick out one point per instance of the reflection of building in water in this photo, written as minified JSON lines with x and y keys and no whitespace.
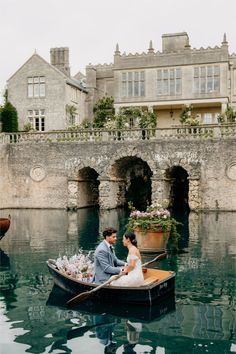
{"x":210,"y":322}
{"x":72,"y":225}
{"x":193,"y":220}
{"x":219,"y":234}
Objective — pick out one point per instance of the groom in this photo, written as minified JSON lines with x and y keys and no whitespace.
{"x":106,"y":263}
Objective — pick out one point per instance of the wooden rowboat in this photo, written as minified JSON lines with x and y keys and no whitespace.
{"x":4,"y":225}
{"x":157,"y":285}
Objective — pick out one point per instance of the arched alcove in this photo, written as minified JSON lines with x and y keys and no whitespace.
{"x":88,"y":191}
{"x":177,"y":178}
{"x":134,"y":176}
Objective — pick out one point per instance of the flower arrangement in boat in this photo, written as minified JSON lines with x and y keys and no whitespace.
{"x":79,"y":266}
{"x":155,"y":217}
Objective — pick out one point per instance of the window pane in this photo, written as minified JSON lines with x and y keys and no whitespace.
{"x":165,"y":74}
{"x":216,"y":70}
{"x":36,"y":90}
{"x":178,"y":86}
{"x":142,"y":88}
{"x":196,"y":72}
{"x":203,"y":71}
{"x":172,"y":87}
{"x":130,"y":88}
{"x":42,"y":90}
{"x":203,"y":85}
{"x":217,"y":84}
{"x":142,"y":77}
{"x":159,"y":87}
{"x":178,"y":73}
{"x":130,"y":76}
{"x":159,"y":74}
{"x":209,"y":71}
{"x":196,"y":85}
{"x":30,"y":80}
{"x":172,"y":74}
{"x":136,"y":88}
{"x":165,"y":87}
{"x":123,"y":76}
{"x":42,"y":79}
{"x":124,"y":88}
{"x":30,"y":90}
{"x":209,"y":84}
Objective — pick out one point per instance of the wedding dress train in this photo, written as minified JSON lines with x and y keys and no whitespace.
{"x":134,"y":277}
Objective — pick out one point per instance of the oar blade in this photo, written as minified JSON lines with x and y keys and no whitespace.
{"x":77,"y":299}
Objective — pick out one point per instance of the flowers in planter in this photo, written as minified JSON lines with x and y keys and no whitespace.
{"x":156,"y":217}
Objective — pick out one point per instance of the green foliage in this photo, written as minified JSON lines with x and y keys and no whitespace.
{"x":28,"y":127}
{"x":187,"y":117}
{"x":229,"y":116}
{"x":9,"y":118}
{"x":86,"y":124}
{"x":71,"y":112}
{"x":147,"y":120}
{"x":103,"y":111}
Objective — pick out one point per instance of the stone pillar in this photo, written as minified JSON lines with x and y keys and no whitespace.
{"x":111,"y":193}
{"x":150,"y":109}
{"x":223,"y":107}
{"x":159,"y":189}
{"x":193,"y":194}
{"x":72,"y":203}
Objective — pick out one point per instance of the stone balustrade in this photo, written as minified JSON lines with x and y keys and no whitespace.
{"x":201,"y":132}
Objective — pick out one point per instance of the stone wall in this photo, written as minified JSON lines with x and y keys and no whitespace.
{"x":45,"y":174}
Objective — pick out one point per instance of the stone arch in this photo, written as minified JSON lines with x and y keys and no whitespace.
{"x":179,"y":187}
{"x":127,"y":168}
{"x":134,"y":178}
{"x":83,"y":187}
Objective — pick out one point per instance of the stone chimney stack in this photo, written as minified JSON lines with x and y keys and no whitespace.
{"x":60,"y":59}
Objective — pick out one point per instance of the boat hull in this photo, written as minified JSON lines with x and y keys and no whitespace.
{"x":4,"y":226}
{"x":146,"y":294}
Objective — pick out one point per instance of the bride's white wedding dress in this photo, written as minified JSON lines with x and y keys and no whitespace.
{"x":134,"y":277}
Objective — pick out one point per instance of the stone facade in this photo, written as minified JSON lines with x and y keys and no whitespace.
{"x":159,"y":81}
{"x":165,"y":81}
{"x":78,"y":174}
{"x":43,"y":93}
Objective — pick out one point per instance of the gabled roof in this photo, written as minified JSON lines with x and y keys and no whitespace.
{"x":70,"y":81}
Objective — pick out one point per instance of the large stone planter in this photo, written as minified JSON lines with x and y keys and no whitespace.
{"x":152,"y":240}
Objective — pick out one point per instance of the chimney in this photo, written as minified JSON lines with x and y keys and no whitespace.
{"x":60,"y":59}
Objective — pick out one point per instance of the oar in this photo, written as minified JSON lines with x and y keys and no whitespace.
{"x":83,"y":296}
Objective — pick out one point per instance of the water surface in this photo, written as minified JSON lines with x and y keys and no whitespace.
{"x":201,"y":318}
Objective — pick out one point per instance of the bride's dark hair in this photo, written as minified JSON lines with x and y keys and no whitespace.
{"x":131,"y":236}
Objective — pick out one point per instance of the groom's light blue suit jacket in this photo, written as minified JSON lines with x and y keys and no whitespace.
{"x":106,"y":263}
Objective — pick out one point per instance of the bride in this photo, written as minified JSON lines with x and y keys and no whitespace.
{"x":133,"y":268}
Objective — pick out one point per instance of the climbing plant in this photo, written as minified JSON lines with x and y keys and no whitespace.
{"x":103,"y":111}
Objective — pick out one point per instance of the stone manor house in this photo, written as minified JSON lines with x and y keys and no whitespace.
{"x":48,"y":97}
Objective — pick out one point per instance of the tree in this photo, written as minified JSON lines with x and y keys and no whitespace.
{"x":9,"y":118}
{"x":103,"y":111}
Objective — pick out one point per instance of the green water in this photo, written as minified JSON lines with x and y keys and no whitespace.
{"x":201,"y":318}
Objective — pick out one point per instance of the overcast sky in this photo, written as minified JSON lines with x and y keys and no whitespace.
{"x":91,"y":28}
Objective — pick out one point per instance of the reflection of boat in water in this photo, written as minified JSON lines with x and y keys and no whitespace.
{"x":157,"y":284}
{"x":7,"y":279}
{"x":4,"y":225}
{"x":59,"y":297}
